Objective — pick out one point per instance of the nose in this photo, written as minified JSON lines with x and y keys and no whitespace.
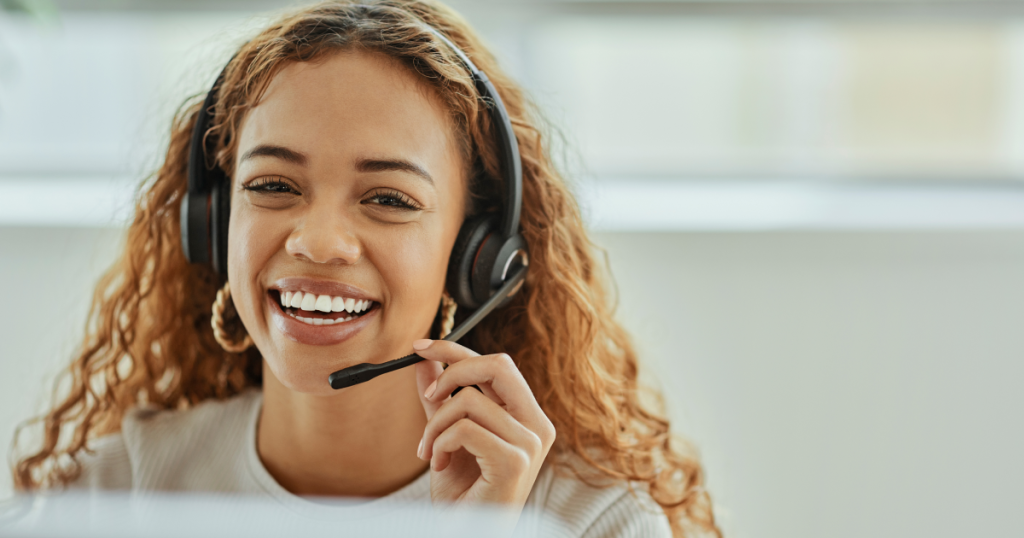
{"x":325,"y":236}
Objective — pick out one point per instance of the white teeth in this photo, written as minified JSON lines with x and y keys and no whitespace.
{"x":323,"y":303}
{"x":320,"y":321}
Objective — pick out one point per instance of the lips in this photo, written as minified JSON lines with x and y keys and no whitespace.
{"x":321,"y":309}
{"x":317,"y":312}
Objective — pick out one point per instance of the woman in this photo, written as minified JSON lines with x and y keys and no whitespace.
{"x":356,"y":145}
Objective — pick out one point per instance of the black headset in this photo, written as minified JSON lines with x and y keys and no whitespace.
{"x":488,"y":262}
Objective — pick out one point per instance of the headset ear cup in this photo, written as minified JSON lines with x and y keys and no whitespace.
{"x":464,"y":255}
{"x":497,"y":257}
{"x":195,"y":227}
{"x":483,"y":267}
{"x":220,"y":215}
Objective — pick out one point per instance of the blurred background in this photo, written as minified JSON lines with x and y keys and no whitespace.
{"x":814,"y":210}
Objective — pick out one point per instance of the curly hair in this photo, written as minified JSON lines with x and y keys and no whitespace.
{"x":148,"y":333}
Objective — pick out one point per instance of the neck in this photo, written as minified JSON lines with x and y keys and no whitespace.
{"x":360,"y":441}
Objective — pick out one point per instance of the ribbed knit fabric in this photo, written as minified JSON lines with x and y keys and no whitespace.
{"x":211,"y":448}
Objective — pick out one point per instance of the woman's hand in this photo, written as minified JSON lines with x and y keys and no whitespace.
{"x":487,"y":445}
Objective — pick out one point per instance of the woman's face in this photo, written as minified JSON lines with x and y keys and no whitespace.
{"x":349,"y":189}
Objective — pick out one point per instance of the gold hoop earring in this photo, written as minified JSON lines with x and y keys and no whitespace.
{"x":217,"y":322}
{"x":448,"y":307}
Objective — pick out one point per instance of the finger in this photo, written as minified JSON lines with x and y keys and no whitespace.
{"x":484,"y":389}
{"x":426,"y":374}
{"x":481,"y":410}
{"x":495,"y":457}
{"x":450,"y":353}
{"x":443,"y":351}
{"x":500,"y":374}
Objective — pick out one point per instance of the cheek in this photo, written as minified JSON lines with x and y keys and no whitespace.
{"x":251,"y":244}
{"x":415,"y":265}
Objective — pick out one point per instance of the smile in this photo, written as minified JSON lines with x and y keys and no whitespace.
{"x":313,"y":309}
{"x":319,"y":312}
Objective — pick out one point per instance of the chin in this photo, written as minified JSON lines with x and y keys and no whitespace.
{"x":306,"y":369}
{"x":305,"y":378}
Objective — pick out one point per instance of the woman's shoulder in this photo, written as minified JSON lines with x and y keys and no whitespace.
{"x":574,"y":507}
{"x":170,"y":449}
{"x":105,"y":465}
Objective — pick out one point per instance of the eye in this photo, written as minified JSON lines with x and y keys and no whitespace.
{"x":270,"y":185}
{"x":391,"y":198}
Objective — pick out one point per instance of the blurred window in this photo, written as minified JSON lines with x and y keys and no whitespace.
{"x":792,"y":98}
{"x":870,"y":92}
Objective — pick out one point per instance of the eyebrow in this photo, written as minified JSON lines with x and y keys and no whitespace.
{"x":363,"y":165}
{"x":393,"y":165}
{"x":279,"y":152}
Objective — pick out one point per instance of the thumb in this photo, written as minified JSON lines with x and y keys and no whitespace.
{"x":426,"y":373}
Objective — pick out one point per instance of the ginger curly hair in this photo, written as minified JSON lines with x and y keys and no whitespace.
{"x":148,"y":332}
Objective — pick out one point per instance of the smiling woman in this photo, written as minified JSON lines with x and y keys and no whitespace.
{"x":350,"y":174}
{"x":355,"y":145}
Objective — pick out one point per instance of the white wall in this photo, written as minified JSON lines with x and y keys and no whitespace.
{"x":841,"y":385}
{"x":48,"y":275}
{"x":838,"y":384}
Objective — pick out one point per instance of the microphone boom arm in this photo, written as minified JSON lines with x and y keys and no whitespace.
{"x":361,"y":373}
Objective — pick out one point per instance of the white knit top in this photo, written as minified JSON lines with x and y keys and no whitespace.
{"x":211,"y":448}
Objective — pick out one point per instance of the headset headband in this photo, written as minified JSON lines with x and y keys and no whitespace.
{"x":511,"y":165}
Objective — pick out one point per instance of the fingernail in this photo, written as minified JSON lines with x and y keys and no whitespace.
{"x":419,"y":450}
{"x":430,"y":390}
{"x":420,"y":345}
